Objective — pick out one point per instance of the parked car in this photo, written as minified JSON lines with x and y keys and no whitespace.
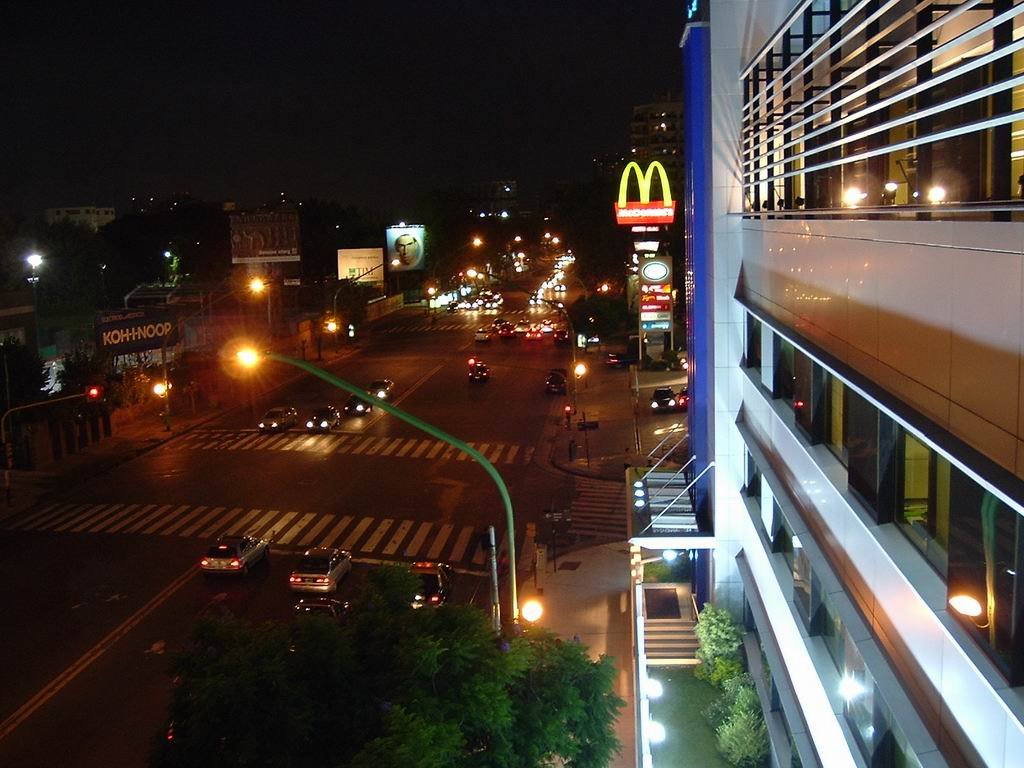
{"x":320,"y":570}
{"x":621,"y":359}
{"x":327,"y":607}
{"x":278,"y":419}
{"x":234,"y":554}
{"x":555,"y":384}
{"x":323,"y":419}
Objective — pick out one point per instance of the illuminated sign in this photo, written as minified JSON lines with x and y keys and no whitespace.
{"x":405,"y":246}
{"x":654,"y":271}
{"x":361,"y":264}
{"x":122,"y":331}
{"x":260,"y":238}
{"x":645,"y":212}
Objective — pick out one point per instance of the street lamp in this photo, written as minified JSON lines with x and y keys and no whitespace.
{"x":532,"y":610}
{"x":34,"y":260}
{"x":248,"y":357}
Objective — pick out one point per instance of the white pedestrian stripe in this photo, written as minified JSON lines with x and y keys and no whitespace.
{"x":354,"y":444}
{"x":599,"y":510}
{"x":387,"y":538}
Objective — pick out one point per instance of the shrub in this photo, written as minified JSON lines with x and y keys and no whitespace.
{"x":738,"y":694}
{"x":724,"y":669}
{"x":660,"y":571}
{"x":718,"y":634}
{"x":743,"y":740}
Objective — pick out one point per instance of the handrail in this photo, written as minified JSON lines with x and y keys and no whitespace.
{"x":696,"y":610}
{"x":667,"y":453}
{"x":692,"y":459}
{"x":666,"y":437}
{"x":669,"y":506}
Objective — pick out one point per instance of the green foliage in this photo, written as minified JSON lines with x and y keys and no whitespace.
{"x":743,"y":740}
{"x":599,"y":315}
{"x":718,"y":634}
{"x":81,"y":368}
{"x":658,"y":572}
{"x":738,"y":693}
{"x":723,"y":669}
{"x":131,"y":387}
{"x":393,"y":687}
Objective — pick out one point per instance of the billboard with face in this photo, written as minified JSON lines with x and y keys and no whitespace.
{"x":405,"y":248}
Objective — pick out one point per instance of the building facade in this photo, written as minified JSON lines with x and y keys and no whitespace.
{"x":656,"y":133}
{"x":84,"y":216}
{"x":853,"y":175}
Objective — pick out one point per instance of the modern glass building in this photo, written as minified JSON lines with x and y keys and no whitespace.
{"x":855,"y":250}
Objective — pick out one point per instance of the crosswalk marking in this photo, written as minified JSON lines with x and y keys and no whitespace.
{"x":223,"y":522}
{"x":459,"y":548}
{"x":131,"y":518}
{"x":417,"y":540}
{"x":355,"y":444}
{"x":215,"y":512}
{"x":392,"y":546}
{"x":185,"y":519}
{"x":356,"y":532}
{"x":330,"y":538}
{"x":104,"y":523}
{"x":240,"y":525}
{"x":295,"y":529}
{"x":371,"y":543}
{"x":380,"y":537}
{"x":322,"y":523}
{"x":442,"y":537}
{"x":162,"y":520}
{"x":599,"y":510}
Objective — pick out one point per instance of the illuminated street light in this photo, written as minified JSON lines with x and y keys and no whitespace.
{"x":167,"y":254}
{"x":517,"y":239}
{"x":891,"y":186}
{"x":395,"y":262}
{"x":532,"y":610}
{"x":605,"y":287}
{"x":34,"y":260}
{"x":556,"y":240}
{"x":160,"y":388}
{"x":256,"y":285}
{"x":547,"y":235}
{"x":248,"y":357}
{"x":477,"y":242}
{"x":853,"y":195}
{"x":936,"y":194}
{"x":580,"y":370}
{"x":471,"y":272}
{"x":332,"y":326}
{"x":431,"y":291}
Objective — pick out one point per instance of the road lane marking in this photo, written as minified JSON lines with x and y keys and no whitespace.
{"x":311,"y":534}
{"x":246,"y":442}
{"x":363,"y":445}
{"x":440,"y":541}
{"x":120,"y":515}
{"x":496,"y":453}
{"x":424,"y":445}
{"x":295,"y":529}
{"x":185,"y":519}
{"x":221,"y":522}
{"x":148,"y":518}
{"x":215,"y":512}
{"x":438,"y":447}
{"x":240,"y":524}
{"x":131,"y":518}
{"x":478,"y":556}
{"x":529,"y":454}
{"x":327,"y":445}
{"x":511,"y":455}
{"x":396,"y":538}
{"x":380,"y":441}
{"x":358,"y":531}
{"x":371,"y":543}
{"x":47,"y":520}
{"x":406,"y":447}
{"x":336,"y":448}
{"x":417,"y":540}
{"x":265,"y":523}
{"x":463,"y":455}
{"x":51,"y":689}
{"x":38,"y":515}
{"x":335,"y":532}
{"x":459,"y":548}
{"x":163,"y":520}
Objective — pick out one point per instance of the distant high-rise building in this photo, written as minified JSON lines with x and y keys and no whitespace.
{"x":494,"y":198}
{"x":656,"y":133}
{"x":89,"y":216}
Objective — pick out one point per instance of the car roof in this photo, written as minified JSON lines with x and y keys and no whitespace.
{"x":320,"y":552}
{"x":663,"y":390}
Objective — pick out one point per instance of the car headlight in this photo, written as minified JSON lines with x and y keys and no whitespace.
{"x":309,"y":425}
{"x":273,"y":423}
{"x":671,"y":402}
{"x":360,"y":408}
{"x":381,"y":394}
{"x":323,"y":423}
{"x":262,"y":425}
{"x":654,"y":405}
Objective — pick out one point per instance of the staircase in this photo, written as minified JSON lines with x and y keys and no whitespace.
{"x":663,"y":493}
{"x":672,"y":641}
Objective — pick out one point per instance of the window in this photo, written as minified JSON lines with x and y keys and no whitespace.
{"x":922,"y":509}
{"x":782,"y":386}
{"x":753,"y":479}
{"x":869,"y":439}
{"x":834,"y":414}
{"x":802,"y":583}
{"x":753,"y":353}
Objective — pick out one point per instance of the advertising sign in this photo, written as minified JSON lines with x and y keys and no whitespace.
{"x":629,"y":212}
{"x":122,"y":331}
{"x":260,"y":238}
{"x":405,"y":246}
{"x":656,"y":294}
{"x":364,"y":265}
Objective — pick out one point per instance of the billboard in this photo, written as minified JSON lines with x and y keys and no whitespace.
{"x":122,"y":331}
{"x":656,"y":294}
{"x":259,"y":238}
{"x":630,"y":212}
{"x":405,"y":246}
{"x":365,"y":265}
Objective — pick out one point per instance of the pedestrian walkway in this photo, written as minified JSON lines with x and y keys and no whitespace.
{"x":368,"y":538}
{"x":598,"y":511}
{"x":350,"y":443}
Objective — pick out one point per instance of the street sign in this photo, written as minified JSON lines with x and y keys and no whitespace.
{"x":293,"y":281}
{"x":582,"y":426}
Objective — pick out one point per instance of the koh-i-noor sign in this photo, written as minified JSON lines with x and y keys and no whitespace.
{"x":644,"y":211}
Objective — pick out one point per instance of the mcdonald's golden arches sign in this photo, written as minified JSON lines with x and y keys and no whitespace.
{"x":645,"y":211}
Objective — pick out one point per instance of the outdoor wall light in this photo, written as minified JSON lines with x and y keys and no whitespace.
{"x":891,"y":186}
{"x":853,"y":195}
{"x":656,"y":730}
{"x":850,"y":688}
{"x":936,"y":194}
{"x":654,"y":688}
{"x":669,"y":555}
{"x":965,"y":605}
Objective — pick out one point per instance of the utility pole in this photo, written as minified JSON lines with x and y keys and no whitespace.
{"x":495,"y":601}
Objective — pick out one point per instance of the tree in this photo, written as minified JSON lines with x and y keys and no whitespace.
{"x":719,"y":636}
{"x":599,"y":315}
{"x":392,"y":687}
{"x":81,"y":367}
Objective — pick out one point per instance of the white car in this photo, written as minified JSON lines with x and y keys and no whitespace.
{"x":482,"y":334}
{"x":320,"y":570}
{"x":234,"y":554}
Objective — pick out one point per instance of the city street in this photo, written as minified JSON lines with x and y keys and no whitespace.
{"x":107,"y":576}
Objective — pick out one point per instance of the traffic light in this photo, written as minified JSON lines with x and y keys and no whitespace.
{"x":472,"y":362}
{"x":94,"y":393}
{"x":567,"y":410}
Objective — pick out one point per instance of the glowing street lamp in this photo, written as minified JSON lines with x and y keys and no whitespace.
{"x":257,"y":285}
{"x":477,"y":242}
{"x":556,"y":240}
{"x":34,"y":260}
{"x":580,"y":370}
{"x":160,"y":388}
{"x":332,"y":326}
{"x":532,"y":610}
{"x":396,"y":262}
{"x":471,"y":272}
{"x":248,"y":357}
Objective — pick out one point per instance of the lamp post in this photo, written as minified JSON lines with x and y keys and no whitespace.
{"x":249,"y":358}
{"x":34,"y":260}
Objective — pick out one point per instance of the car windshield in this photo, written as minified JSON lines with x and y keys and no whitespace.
{"x":275,"y":413}
{"x":380,"y":384}
{"x":663,"y":392}
{"x":313,"y":565}
{"x":223,"y":550}
{"x":323,"y":413}
{"x":431,"y":583}
{"x":354,"y":401}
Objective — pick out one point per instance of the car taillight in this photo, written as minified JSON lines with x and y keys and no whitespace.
{"x":204,"y":562}
{"x":321,"y":580}
{"x":435,"y":599}
{"x":236,"y":563}
{"x":294,"y":579}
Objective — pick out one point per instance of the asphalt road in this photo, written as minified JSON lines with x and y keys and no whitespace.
{"x":102,"y":581}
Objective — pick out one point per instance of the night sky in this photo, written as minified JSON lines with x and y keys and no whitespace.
{"x":368,"y":103}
